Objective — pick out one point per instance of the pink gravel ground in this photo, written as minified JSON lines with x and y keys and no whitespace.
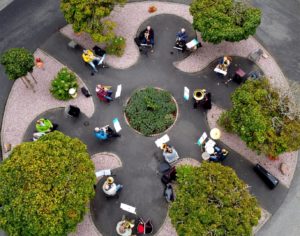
{"x":23,"y":106}
{"x":102,"y":161}
{"x":135,"y":14}
{"x":234,"y":142}
{"x":196,"y":62}
{"x":209,"y":52}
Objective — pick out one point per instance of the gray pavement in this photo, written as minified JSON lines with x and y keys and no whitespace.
{"x":4,"y":3}
{"x":30,"y":23}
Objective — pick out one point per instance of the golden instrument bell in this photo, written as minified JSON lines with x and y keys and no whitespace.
{"x":199,"y":94}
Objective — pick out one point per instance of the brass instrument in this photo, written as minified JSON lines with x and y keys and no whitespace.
{"x":199,"y":94}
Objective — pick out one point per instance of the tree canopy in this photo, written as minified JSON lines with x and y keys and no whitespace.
{"x":17,"y":62}
{"x":45,"y":186}
{"x":260,"y":118}
{"x":227,"y":20}
{"x":212,"y":200}
{"x":87,"y":16}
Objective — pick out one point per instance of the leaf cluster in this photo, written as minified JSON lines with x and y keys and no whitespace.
{"x":151,"y":111}
{"x":212,"y":200}
{"x":257,"y":118}
{"x":116,"y":46}
{"x":62,"y":83}
{"x":17,"y":62}
{"x":45,"y":186}
{"x":228,"y":20}
{"x":87,"y":16}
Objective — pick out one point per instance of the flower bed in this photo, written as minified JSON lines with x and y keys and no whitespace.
{"x":151,"y":111}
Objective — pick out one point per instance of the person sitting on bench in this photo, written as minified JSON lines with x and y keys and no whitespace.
{"x":146,"y":37}
{"x":181,"y":39}
{"x":89,"y":57}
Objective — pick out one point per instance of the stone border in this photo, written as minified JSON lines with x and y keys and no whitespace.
{"x":24,"y":105}
{"x":234,"y":142}
{"x":152,"y":135}
{"x":102,"y":160}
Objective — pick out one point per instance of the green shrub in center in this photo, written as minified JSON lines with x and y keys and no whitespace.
{"x":151,"y":111}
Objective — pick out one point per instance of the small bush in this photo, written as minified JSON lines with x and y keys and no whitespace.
{"x":62,"y":83}
{"x":151,"y":111}
{"x":116,"y":46}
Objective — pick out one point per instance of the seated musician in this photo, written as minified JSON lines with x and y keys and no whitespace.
{"x":181,"y":39}
{"x":225,"y":63}
{"x":147,"y":36}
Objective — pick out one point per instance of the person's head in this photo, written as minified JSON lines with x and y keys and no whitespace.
{"x":97,"y":129}
{"x":85,"y":51}
{"x":182,"y":30}
{"x":148,"y":27}
{"x":39,"y":121}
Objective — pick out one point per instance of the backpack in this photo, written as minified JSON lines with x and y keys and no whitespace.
{"x":85,"y":92}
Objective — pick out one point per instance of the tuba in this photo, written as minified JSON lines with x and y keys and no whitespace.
{"x":199,"y":94}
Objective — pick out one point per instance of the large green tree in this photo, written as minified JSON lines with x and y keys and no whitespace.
{"x":87,"y":16}
{"x":259,"y":116}
{"x":45,"y":186}
{"x":228,"y":20}
{"x":212,"y":200}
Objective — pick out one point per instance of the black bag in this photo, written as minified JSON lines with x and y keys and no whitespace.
{"x":137,"y":41}
{"x":98,"y":51}
{"x":85,"y":92}
{"x":74,"y":111}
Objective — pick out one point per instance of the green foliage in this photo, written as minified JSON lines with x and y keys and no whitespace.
{"x":227,"y":20}
{"x":87,"y":16}
{"x":62,"y":83}
{"x":17,"y":62}
{"x":45,"y":186}
{"x":151,"y":111}
{"x":116,"y":46}
{"x":257,"y":118}
{"x":212,"y":200}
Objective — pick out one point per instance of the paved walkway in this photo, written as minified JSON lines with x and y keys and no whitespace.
{"x":141,"y":158}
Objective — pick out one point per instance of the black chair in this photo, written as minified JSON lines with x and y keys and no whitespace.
{"x":72,"y":111}
{"x":266,"y":176}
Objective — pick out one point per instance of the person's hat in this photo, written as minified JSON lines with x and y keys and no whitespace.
{"x":148,"y":27}
{"x":110,"y":180}
{"x":97,"y":129}
{"x":183,"y":30}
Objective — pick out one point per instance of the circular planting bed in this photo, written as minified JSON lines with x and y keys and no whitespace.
{"x":151,"y":111}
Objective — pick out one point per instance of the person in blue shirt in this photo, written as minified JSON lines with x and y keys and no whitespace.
{"x":100,"y":133}
{"x":181,"y":40}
